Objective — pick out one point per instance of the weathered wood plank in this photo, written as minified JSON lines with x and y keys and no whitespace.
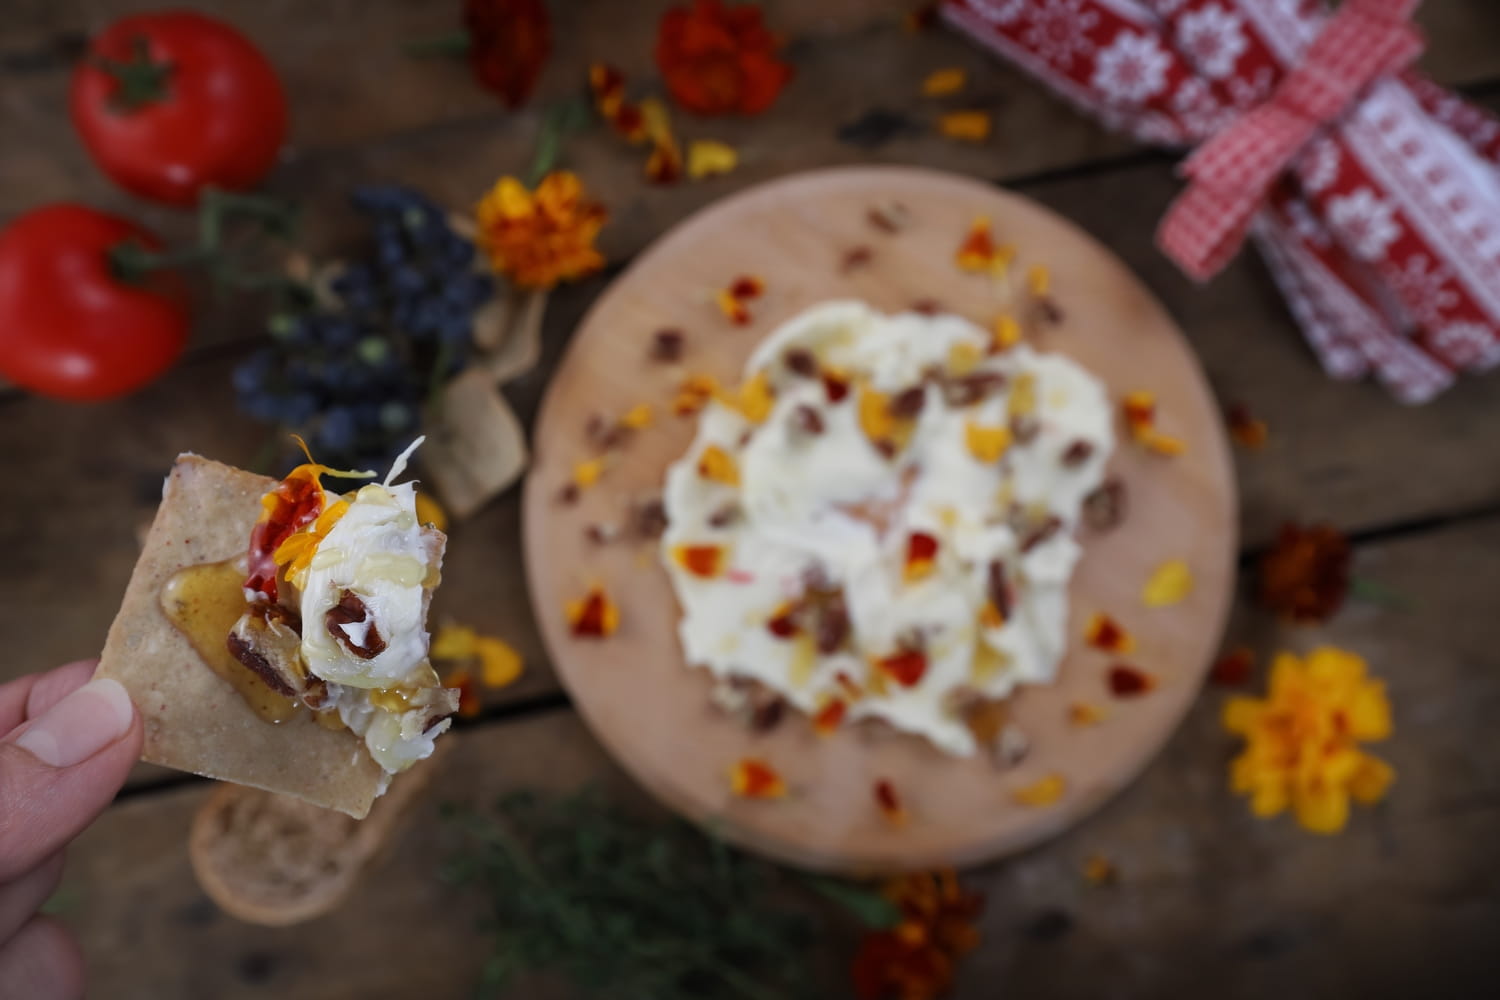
{"x":1210,"y":900}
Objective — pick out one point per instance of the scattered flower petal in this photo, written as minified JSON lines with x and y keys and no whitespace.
{"x":1170,"y":583}
{"x":889,"y":803}
{"x":718,"y":465}
{"x":638,"y":417}
{"x":1103,"y":632}
{"x":1083,"y":713}
{"x":968,"y":126}
{"x":429,"y":511}
{"x":1007,"y":334}
{"x":921,"y":555}
{"x":1126,"y":681}
{"x":986,"y":444}
{"x":694,"y":393}
{"x":1042,"y":792}
{"x":594,"y":616}
{"x":829,"y":717}
{"x":943,"y":82}
{"x":708,"y":158}
{"x":706,"y":561}
{"x":1245,"y":429}
{"x":752,"y":778}
{"x":509,"y":42}
{"x":1099,"y":870}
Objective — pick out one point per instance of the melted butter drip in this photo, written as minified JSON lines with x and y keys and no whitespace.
{"x":204,"y":602}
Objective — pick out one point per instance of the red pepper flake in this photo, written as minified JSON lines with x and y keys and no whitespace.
{"x":1103,"y":632}
{"x":889,"y":803}
{"x":921,"y":555}
{"x":783,"y":624}
{"x":1247,"y":430}
{"x":829,"y":717}
{"x":906,"y":667}
{"x":752,"y":778}
{"x":1234,"y":668}
{"x":1126,"y":681}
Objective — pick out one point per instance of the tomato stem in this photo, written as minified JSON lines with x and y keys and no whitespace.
{"x":133,"y":264}
{"x":139,"y":80}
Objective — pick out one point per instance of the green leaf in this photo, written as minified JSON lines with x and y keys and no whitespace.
{"x":1363,"y":589}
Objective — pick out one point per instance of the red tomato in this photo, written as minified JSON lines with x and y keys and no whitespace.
{"x":71,"y":329}
{"x":172,"y":102}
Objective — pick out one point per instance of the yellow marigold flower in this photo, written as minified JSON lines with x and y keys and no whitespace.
{"x":1302,"y":740}
{"x":538,"y":238}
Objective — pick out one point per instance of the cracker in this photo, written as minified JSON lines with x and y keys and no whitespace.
{"x":195,"y":721}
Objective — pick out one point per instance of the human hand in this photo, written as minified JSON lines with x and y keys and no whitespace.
{"x":66,"y":745}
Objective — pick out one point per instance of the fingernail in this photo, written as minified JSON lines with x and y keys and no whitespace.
{"x":79,"y":726}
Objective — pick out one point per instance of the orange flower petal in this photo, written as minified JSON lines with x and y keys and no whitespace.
{"x":943,"y":82}
{"x":1099,"y":870}
{"x":1082,"y":713}
{"x":693,"y":394}
{"x":829,"y":717}
{"x":1007,"y":334}
{"x":921,"y":555}
{"x":1126,"y":681}
{"x":637,"y":417}
{"x":752,"y":778}
{"x":906,"y":667}
{"x":718,"y":465}
{"x":1042,"y":792}
{"x":707,"y":561}
{"x":889,"y":803}
{"x":1245,"y":429}
{"x":1103,"y":632}
{"x":969,"y":126}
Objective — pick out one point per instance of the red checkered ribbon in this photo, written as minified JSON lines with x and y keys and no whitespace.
{"x":1372,"y":193}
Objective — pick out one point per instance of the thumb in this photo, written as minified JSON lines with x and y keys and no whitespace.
{"x":59,"y":770}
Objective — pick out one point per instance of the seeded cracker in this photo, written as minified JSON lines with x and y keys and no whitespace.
{"x":195,"y":721}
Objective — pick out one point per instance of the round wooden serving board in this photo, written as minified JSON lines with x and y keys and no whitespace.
{"x":653,"y":712}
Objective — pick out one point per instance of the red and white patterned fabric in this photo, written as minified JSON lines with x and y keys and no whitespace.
{"x":1372,"y":192}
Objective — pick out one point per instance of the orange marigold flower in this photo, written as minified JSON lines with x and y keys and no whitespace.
{"x":538,"y":238}
{"x":752,"y":778}
{"x":1103,"y":632}
{"x":1302,"y":741}
{"x":509,"y":42}
{"x":718,"y":59}
{"x":1305,"y":575}
{"x":915,"y":960}
{"x":593,"y":616}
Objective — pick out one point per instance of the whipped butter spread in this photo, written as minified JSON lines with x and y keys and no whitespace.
{"x":339,"y":591}
{"x":883,"y":516}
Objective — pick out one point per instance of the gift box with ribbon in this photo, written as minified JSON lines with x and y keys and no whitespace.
{"x":1372,"y":192}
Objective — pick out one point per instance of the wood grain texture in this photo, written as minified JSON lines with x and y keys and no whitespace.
{"x":1210,"y":902}
{"x":634,"y":688}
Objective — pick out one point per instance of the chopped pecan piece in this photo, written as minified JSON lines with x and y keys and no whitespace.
{"x":927,"y":307}
{"x":651,"y":518}
{"x":666,"y":345}
{"x":966,"y":390}
{"x":1077,"y":453}
{"x":908,"y":402}
{"x":856,"y":258}
{"x":889,"y":217}
{"x":1024,"y":429}
{"x":998,"y":590}
{"x":724,"y":516}
{"x":349,"y":623}
{"x":265,"y":642}
{"x":807,"y":420}
{"x":800,"y":361}
{"x":1042,"y":532}
{"x":1104,"y":508}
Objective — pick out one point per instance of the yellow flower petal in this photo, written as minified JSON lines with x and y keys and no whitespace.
{"x":454,"y":642}
{"x":1039,"y":280}
{"x":942,"y":82}
{"x":1007,"y":333}
{"x":1372,"y":780}
{"x":637,"y":417}
{"x":1240,"y":714}
{"x":754,"y":399}
{"x":1042,"y":792}
{"x":986,"y":444}
{"x":963,"y":357}
{"x":499,"y":664}
{"x":587,"y":473}
{"x":970,"y":126}
{"x":717,"y":464}
{"x":1169,"y":584}
{"x":707,"y":157}
{"x":1269,"y":800}
{"x":1324,"y":809}
{"x":657,"y":120}
{"x":429,"y":511}
{"x":1370,"y":713}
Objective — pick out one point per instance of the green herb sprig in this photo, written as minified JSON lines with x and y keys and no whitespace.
{"x":634,"y":910}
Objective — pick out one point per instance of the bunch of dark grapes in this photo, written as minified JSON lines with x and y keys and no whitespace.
{"x":354,"y":378}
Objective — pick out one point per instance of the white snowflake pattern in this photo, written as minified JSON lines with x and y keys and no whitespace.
{"x":1306,"y":224}
{"x":1319,"y":166}
{"x":1156,"y":129}
{"x":1213,"y":39}
{"x":1166,"y":8}
{"x":1198,"y":109}
{"x":1366,"y":225}
{"x":1425,"y":289}
{"x":1248,"y":91}
{"x":1058,"y":31}
{"x":1132,"y":70}
{"x":1001,"y":11}
{"x":1464,"y":344}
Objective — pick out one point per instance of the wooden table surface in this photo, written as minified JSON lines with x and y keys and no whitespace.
{"x":1209,"y":900}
